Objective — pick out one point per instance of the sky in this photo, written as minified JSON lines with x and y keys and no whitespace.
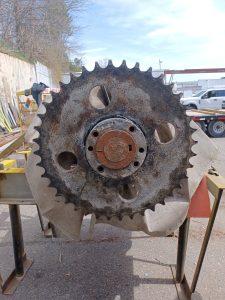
{"x":180,"y":33}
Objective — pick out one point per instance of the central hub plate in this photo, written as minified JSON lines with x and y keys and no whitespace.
{"x":116,"y":147}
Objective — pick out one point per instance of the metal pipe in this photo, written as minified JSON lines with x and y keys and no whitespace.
{"x":182,"y":249}
{"x":17,"y":237}
{"x":206,"y":240}
{"x":40,"y":219}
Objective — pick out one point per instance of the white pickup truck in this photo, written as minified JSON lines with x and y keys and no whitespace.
{"x":211,"y":98}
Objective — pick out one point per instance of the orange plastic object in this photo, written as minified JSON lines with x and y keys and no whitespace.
{"x":200,"y":202}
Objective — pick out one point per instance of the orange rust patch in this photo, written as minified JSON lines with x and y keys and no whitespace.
{"x":115,"y":149}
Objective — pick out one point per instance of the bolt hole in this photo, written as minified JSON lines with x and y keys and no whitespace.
{"x":136,"y":163}
{"x":130,"y":147}
{"x":90,"y":148}
{"x":67,"y":160}
{"x":128,"y":191}
{"x":100,"y":169}
{"x":95,"y":133}
{"x":141,"y":150}
{"x":99,"y":97}
{"x":131,"y":128}
{"x":164,"y":133}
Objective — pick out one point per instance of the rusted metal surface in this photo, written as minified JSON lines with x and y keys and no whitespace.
{"x":137,"y":98}
{"x":115,"y":149}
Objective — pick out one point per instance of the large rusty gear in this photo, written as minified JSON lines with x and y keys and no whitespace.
{"x":114,"y":141}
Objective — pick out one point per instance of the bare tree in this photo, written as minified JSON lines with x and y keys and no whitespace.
{"x":40,"y":28}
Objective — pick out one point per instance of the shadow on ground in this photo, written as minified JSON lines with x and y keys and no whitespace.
{"x":102,"y":268}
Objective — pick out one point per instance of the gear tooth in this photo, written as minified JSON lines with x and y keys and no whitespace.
{"x":84,"y":70}
{"x":97,"y":215}
{"x":51,"y":184}
{"x":124,"y":64}
{"x":41,"y":117}
{"x":97,"y":66}
{"x":37,"y":140}
{"x":62,"y":85}
{"x":183,"y":176}
{"x":54,"y":95}
{"x":193,"y":153}
{"x":142,"y":212}
{"x":119,"y":216}
{"x":131,"y":216}
{"x":46,"y":104}
{"x":72,"y":77}
{"x":37,"y":152}
{"x":110,"y":63}
{"x":137,"y":66}
{"x":153,"y":208}
{"x":190,"y":165}
{"x":37,"y":128}
{"x":39,"y":164}
{"x":149,"y":71}
{"x":161,"y":79}
{"x":44,"y":174}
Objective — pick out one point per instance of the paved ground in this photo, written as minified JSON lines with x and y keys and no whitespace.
{"x":116,"y":264}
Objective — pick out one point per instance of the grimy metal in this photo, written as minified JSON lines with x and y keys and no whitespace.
{"x":114,"y":141}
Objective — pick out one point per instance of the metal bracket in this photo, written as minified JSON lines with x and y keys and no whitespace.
{"x":216,"y":185}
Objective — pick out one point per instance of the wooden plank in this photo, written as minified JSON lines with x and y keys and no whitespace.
{"x":13,"y":146}
{"x":17,"y":201}
{"x":215,"y":184}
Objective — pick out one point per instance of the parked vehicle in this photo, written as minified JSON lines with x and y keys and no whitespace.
{"x":211,"y":98}
{"x":211,"y":121}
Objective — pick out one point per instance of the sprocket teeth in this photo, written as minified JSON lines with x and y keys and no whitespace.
{"x":97,"y":66}
{"x":84,"y":70}
{"x":37,"y":152}
{"x":62,"y":86}
{"x":190,"y":165}
{"x":54,"y":95}
{"x":137,"y":66}
{"x":39,"y":164}
{"x":37,"y":128}
{"x":131,"y":216}
{"x":37,"y":140}
{"x":46,"y":104}
{"x":41,"y":117}
{"x":110,"y":63}
{"x":51,"y":185}
{"x":136,"y":69}
{"x":73,"y":78}
{"x":123,"y":65}
{"x":44,"y":174}
{"x":149,"y":71}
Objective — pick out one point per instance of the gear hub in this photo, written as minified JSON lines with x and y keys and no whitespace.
{"x":116,"y":147}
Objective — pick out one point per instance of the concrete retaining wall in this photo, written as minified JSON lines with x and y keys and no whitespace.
{"x":17,"y":75}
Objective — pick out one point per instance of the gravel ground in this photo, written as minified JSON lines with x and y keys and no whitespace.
{"x":116,"y":264}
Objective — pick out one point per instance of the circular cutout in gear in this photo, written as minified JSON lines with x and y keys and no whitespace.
{"x":116,"y":148}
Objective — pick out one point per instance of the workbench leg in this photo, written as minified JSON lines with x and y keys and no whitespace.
{"x":40,"y":219}
{"x":182,"y":249}
{"x":206,"y":240}
{"x":17,"y":237}
{"x":22,"y":264}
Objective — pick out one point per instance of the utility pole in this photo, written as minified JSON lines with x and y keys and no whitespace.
{"x":160,"y":64}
